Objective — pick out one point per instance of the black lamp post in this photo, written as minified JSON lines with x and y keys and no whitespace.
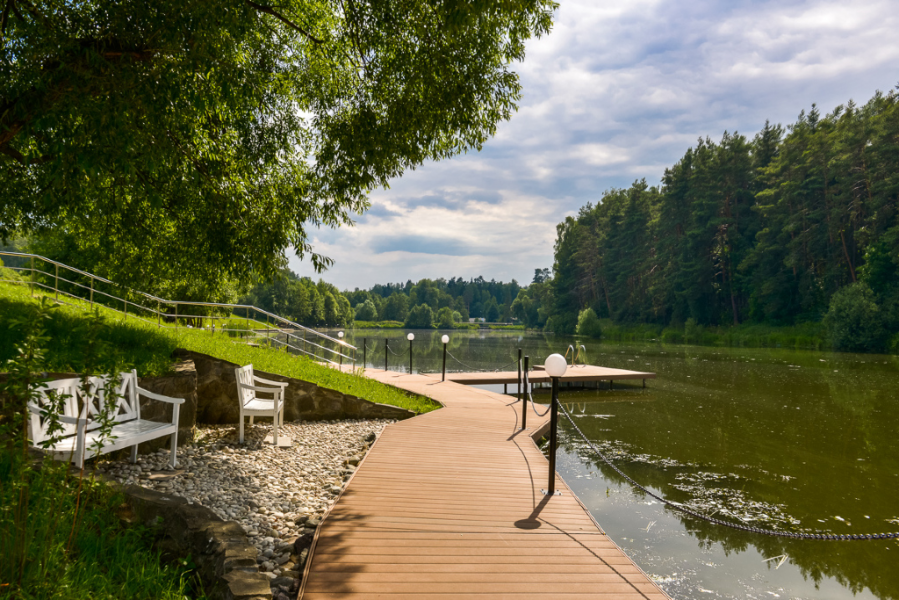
{"x":445,"y":340}
{"x":555,"y":366}
{"x":410,"y":337}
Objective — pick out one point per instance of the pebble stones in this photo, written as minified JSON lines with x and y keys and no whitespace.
{"x":278,"y":495}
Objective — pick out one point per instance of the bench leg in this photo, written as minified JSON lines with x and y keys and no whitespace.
{"x":251,"y":419}
{"x":275,"y":432}
{"x":240,"y":437}
{"x":134,"y":454}
{"x":174,"y":459}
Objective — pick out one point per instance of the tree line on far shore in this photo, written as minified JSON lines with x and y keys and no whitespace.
{"x":793,"y":226}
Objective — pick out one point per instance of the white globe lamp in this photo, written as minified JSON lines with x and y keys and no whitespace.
{"x":555,"y":365}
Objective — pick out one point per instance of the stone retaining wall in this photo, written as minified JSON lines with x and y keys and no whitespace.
{"x":217,"y":396}
{"x":225,"y":558}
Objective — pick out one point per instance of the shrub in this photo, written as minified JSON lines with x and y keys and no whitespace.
{"x":420,"y":317}
{"x":854,"y":321}
{"x":445,"y":318}
{"x":588,"y":324}
{"x":366,"y":311}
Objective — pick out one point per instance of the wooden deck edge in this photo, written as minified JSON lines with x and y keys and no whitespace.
{"x":318,"y":529}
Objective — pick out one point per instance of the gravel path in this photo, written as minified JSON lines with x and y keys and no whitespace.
{"x":276,"y":494}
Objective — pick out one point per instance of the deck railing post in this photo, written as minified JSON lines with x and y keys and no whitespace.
{"x":92,"y":293}
{"x":553,"y":423}
{"x":524,"y":405}
{"x":364,"y":350}
{"x":32,"y":277}
{"x":386,"y":348}
{"x":56,"y":285}
{"x":519,"y":374}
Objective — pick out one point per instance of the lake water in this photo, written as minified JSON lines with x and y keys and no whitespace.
{"x":797,"y":440}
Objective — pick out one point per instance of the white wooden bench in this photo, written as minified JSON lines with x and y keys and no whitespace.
{"x":253,"y":406}
{"x":80,"y":430}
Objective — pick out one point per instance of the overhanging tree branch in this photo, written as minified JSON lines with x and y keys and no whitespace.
{"x":271,"y":11}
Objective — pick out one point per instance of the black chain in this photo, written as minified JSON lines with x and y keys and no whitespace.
{"x":698,"y":515}
{"x":391,"y":350}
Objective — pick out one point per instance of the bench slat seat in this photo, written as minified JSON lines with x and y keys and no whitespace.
{"x":80,"y":432}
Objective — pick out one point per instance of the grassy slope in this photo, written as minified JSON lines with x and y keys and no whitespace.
{"x":148,"y":349}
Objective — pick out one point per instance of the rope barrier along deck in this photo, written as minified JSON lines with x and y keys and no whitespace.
{"x":680,"y":507}
{"x":527,"y":390}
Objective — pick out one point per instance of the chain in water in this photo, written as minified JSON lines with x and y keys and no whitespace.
{"x":698,"y":515}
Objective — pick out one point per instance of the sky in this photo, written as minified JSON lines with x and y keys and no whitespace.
{"x":615,"y":93}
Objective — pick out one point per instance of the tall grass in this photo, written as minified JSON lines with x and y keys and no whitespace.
{"x":144,"y":346}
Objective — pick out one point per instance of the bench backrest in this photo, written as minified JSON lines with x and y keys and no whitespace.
{"x":124,"y":392}
{"x":75,"y":402}
{"x":72,"y":401}
{"x":244,"y":375}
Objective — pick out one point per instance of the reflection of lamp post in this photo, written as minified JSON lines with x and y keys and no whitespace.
{"x":410,"y":337}
{"x":340,"y":351}
{"x":445,"y":340}
{"x":555,"y":366}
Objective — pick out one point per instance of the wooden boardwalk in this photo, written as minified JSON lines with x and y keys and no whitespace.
{"x":448,"y":505}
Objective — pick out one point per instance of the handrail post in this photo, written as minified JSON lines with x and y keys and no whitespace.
{"x":553,"y":440}
{"x":32,"y":277}
{"x":524,"y":404}
{"x":92,"y":293}
{"x":56,"y":285}
{"x":364,"y":349}
{"x":519,"y":374}
{"x":386,"y":348}
{"x":158,"y":316}
{"x":176,"y":314}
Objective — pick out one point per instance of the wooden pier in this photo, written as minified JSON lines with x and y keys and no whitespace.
{"x":449,"y":505}
{"x":579,"y":373}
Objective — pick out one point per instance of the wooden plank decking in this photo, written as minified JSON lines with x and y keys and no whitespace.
{"x":448,"y":505}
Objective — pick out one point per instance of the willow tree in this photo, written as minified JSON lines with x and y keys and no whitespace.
{"x":206,"y":137}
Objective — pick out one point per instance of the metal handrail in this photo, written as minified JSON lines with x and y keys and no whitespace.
{"x":162,"y":318}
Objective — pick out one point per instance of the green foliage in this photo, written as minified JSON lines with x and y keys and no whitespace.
{"x":201,"y":139}
{"x":445,"y":318}
{"x":143,"y":346}
{"x":762,"y":231}
{"x":420,"y":317}
{"x":59,"y":533}
{"x":302,"y":301}
{"x":855,"y":322}
{"x":477,"y":298}
{"x":588,"y":324}
{"x":366,"y":311}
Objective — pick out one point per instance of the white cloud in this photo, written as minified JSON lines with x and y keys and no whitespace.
{"x":616,"y":92}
